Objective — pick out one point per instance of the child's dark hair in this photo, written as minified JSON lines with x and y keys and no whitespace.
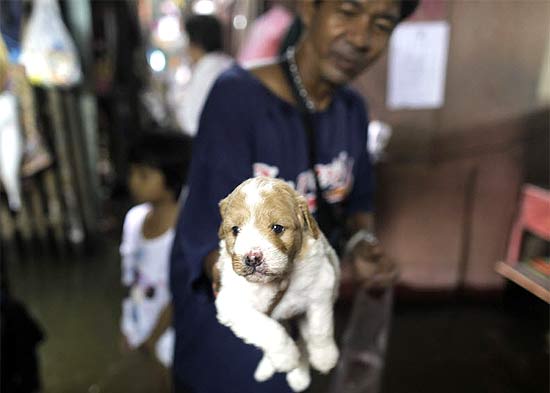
{"x":166,"y":150}
{"x":204,"y":31}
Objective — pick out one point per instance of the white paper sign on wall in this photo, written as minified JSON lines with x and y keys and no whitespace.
{"x":417,"y":65}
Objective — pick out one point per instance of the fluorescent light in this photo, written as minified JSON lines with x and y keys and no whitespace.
{"x":240,"y":22}
{"x":168,"y":29}
{"x":157,"y":60}
{"x":204,"y":7}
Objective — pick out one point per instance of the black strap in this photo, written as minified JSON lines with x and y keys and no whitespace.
{"x":327,"y":218}
{"x":307,"y":121}
{"x":306,"y":116}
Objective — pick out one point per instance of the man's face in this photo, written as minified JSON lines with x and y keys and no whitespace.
{"x":348,"y":35}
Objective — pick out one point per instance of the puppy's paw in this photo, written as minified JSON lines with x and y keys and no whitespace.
{"x":265,"y":370}
{"x":324,"y":358}
{"x":285,"y":358}
{"x":299,"y":379}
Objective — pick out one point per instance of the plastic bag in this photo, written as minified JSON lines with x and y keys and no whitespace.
{"x":363,"y":350}
{"x":48,"y":52}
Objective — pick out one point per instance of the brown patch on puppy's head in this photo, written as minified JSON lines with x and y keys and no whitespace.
{"x":278,"y":217}
{"x":234,"y":213}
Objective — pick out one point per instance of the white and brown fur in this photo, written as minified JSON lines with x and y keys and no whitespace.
{"x":296,"y":273}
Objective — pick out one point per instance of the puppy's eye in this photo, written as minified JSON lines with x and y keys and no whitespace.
{"x":235,"y":230}
{"x":278,"y":229}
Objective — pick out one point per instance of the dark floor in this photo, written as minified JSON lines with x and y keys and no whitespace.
{"x":496,"y":345}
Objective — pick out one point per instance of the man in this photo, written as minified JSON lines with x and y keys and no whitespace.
{"x":207,"y":61}
{"x":253,"y":124}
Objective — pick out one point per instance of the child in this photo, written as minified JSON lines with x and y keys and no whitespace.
{"x":158,"y":169}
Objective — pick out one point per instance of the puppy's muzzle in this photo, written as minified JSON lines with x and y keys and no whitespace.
{"x":253,"y":258}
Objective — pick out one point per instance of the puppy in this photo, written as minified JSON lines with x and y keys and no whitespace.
{"x":275,"y":264}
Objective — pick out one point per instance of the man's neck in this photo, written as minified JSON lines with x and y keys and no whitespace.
{"x":318,"y":89}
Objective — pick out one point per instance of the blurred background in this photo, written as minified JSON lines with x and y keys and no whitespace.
{"x":462,"y":196}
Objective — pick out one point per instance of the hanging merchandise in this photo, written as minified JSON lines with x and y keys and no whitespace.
{"x":36,"y":156}
{"x":11,"y":16}
{"x":3,"y":64}
{"x":11,"y":149}
{"x":48,"y":51}
{"x":266,"y":33}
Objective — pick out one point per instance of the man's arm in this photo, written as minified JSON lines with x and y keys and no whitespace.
{"x":224,"y":133}
{"x":212,"y":271}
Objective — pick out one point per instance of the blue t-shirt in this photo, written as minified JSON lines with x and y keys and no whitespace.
{"x":245,"y":130}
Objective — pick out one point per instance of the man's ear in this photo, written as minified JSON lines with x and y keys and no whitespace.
{"x":306,"y":10}
{"x":307,"y":218}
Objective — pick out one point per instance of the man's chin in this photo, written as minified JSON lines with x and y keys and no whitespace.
{"x":336,"y":77}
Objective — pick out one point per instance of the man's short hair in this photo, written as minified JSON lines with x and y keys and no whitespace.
{"x":167,"y":150}
{"x":296,"y":28}
{"x":407,"y":7}
{"x":204,"y":31}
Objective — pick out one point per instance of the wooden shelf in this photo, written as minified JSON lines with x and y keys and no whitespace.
{"x":525,"y":277}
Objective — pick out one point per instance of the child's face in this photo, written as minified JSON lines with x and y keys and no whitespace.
{"x":147,"y":184}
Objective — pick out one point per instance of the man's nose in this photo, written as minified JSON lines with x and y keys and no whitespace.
{"x":253,"y":258}
{"x":359,"y":34}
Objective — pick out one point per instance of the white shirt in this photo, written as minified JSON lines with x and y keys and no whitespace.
{"x":196,"y":91}
{"x":145,"y":269}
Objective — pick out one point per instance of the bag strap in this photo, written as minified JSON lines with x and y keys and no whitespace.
{"x":328,"y":218}
{"x":307,"y":120}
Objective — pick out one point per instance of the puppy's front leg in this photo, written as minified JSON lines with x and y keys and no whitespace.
{"x":317,"y":330}
{"x":258,"y":329}
{"x":265,"y":370}
{"x":299,"y":378}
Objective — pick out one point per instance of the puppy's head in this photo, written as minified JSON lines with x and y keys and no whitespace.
{"x":265,"y":224}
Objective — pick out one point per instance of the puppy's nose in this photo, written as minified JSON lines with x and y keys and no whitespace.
{"x":253,"y":258}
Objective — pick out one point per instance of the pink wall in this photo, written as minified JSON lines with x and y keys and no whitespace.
{"x":448,"y":192}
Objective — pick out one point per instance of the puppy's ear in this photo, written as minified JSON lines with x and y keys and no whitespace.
{"x":307,"y":218}
{"x":223,"y":208}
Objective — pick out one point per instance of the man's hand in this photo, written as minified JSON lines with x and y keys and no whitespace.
{"x":365,"y":265}
{"x":369,"y":265}
{"x":364,"y":262}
